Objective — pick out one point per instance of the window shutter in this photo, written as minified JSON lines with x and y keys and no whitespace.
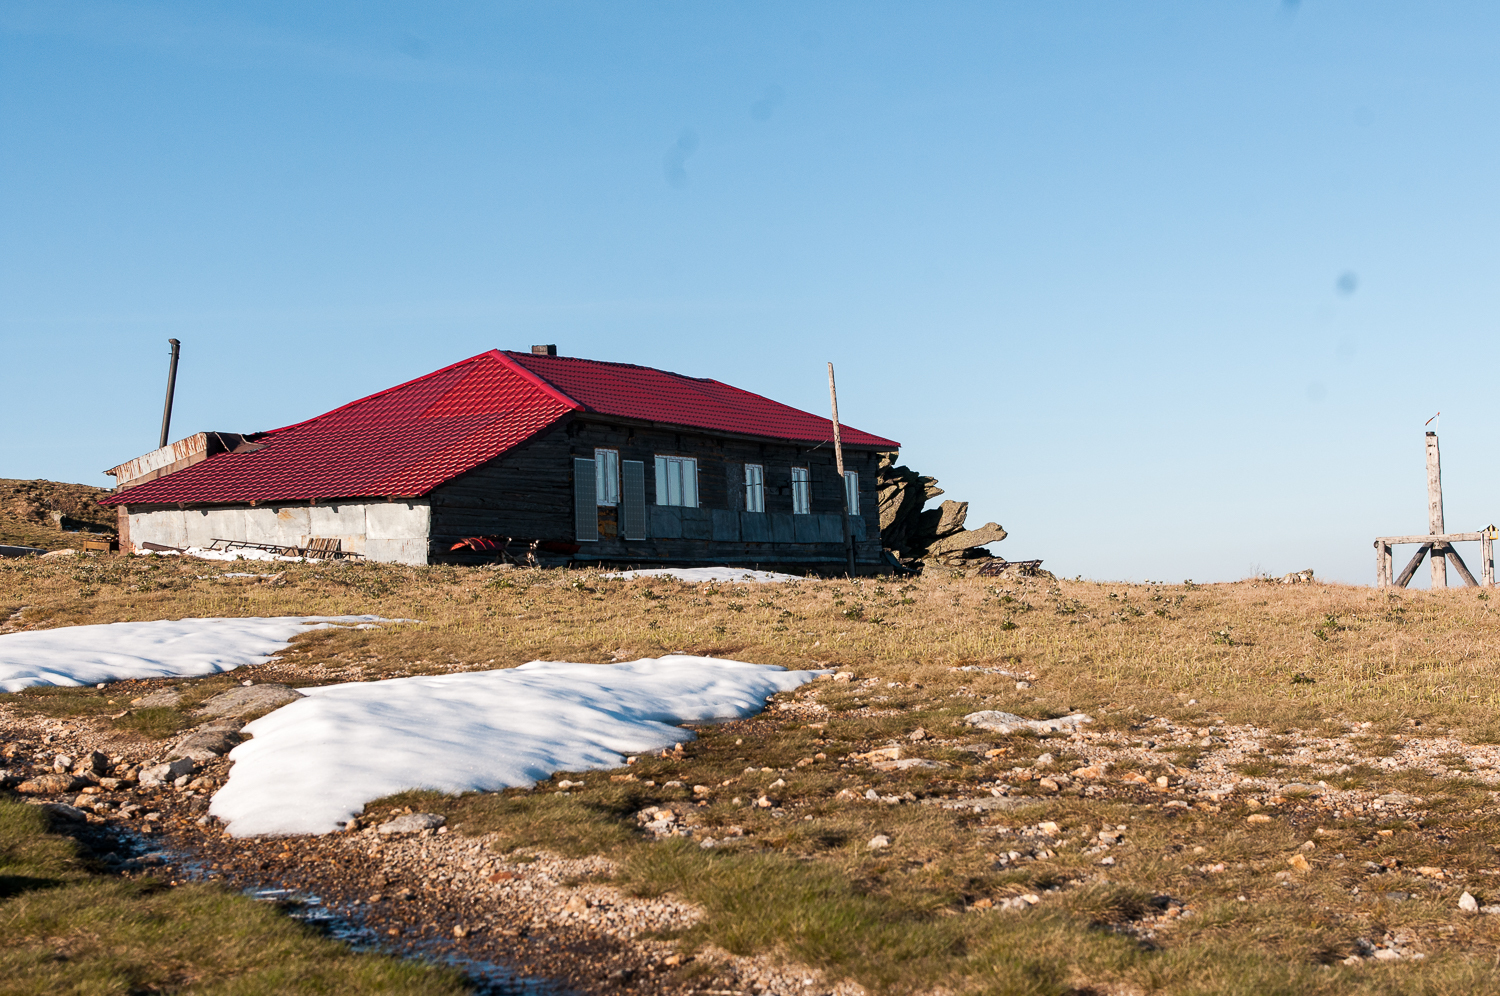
{"x":633,"y":499}
{"x":661,"y":481}
{"x":585,"y":502}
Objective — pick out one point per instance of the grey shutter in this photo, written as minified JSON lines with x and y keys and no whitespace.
{"x":633,"y":499}
{"x":585,"y":502}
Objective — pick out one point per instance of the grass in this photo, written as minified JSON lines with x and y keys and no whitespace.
{"x":923,"y":915}
{"x":25,"y":508}
{"x":70,"y":931}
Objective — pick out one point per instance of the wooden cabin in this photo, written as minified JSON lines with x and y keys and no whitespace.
{"x":511,"y":454}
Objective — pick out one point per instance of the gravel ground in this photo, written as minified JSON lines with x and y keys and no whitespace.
{"x":436,"y":894}
{"x":429,"y":894}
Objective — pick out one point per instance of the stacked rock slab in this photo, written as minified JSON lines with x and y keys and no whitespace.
{"x":936,"y":535}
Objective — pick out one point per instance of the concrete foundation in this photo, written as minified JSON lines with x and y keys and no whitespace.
{"x":390,"y":532}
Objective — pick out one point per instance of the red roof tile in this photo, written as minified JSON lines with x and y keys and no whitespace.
{"x":409,"y":439}
{"x":629,"y":391}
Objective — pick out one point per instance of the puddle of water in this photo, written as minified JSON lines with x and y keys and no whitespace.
{"x":487,"y":978}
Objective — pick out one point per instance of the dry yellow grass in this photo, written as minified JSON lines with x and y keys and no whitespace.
{"x":1294,"y":662}
{"x":1244,"y":651}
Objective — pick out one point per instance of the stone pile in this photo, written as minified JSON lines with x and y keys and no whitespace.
{"x":918,"y":535}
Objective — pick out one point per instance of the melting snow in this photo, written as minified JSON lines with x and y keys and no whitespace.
{"x":314,"y":763}
{"x":202,"y":553}
{"x":87,"y":655}
{"x":724,"y":574}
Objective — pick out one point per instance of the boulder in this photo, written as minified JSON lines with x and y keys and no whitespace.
{"x":990,"y":532}
{"x":163,"y":774}
{"x":65,"y":811}
{"x":412,"y":823}
{"x":52,"y":783}
{"x":249,"y":699}
{"x":93,"y":763}
{"x":1005,"y":722}
{"x":206,"y":745}
{"x":951,"y":516}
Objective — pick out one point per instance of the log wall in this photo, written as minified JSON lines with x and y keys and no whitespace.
{"x":528,"y":494}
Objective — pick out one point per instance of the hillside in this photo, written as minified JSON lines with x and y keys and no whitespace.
{"x":1282,"y":788}
{"x":30,"y":510}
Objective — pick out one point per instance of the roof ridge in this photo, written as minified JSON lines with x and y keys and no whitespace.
{"x":505,"y":356}
{"x":512,"y":353}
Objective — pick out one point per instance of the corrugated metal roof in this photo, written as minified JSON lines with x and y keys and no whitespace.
{"x":408,"y":439}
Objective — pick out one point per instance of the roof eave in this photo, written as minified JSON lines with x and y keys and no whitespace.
{"x":745,"y":436}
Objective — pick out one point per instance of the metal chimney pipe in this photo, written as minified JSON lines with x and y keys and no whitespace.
{"x":166,"y":415}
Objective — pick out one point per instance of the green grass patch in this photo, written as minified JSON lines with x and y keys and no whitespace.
{"x":70,"y":931}
{"x":158,"y":721}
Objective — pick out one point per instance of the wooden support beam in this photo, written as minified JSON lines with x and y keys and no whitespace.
{"x":1411,"y":568}
{"x":1461,"y":567}
{"x":1382,"y":564}
{"x":1486,"y":559}
{"x":1435,"y":509}
{"x":1429,"y":538}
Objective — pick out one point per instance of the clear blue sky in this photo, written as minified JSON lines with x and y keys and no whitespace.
{"x":1167,"y":289}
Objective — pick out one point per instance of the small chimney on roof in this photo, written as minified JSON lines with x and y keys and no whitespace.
{"x":548,"y":350}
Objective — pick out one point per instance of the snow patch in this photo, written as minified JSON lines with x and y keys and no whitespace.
{"x":236,"y":554}
{"x":86,"y":655}
{"x":314,"y":763}
{"x":720,"y":574}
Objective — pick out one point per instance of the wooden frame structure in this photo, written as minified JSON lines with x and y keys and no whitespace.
{"x":1440,"y":547}
{"x":1437,"y":543}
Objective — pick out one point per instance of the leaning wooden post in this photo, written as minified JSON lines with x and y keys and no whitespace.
{"x":1487,"y":556}
{"x":838,"y":457}
{"x":1435,"y":512}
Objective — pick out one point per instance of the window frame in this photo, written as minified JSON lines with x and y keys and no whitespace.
{"x":755,"y":487}
{"x":851,"y":491}
{"x":606,"y":477}
{"x":685,"y":482}
{"x":801,"y":491}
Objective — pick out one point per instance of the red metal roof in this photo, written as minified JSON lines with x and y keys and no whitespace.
{"x":408,"y":439}
{"x":629,"y":391}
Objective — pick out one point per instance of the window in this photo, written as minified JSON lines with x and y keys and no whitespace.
{"x":755,"y":487}
{"x":677,"y":481}
{"x":607,"y":476}
{"x":851,"y":491}
{"x":801,"y":491}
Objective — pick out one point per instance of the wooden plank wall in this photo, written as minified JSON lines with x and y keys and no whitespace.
{"x":528,"y":493}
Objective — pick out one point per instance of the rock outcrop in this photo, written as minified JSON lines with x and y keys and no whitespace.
{"x":912,"y":533}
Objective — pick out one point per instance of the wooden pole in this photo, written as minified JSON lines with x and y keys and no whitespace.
{"x":1487,"y":558}
{"x":1435,"y":509}
{"x":838,"y":457}
{"x":1382,"y":564}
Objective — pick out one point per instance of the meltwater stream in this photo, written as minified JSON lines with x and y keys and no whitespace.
{"x":133,"y":851}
